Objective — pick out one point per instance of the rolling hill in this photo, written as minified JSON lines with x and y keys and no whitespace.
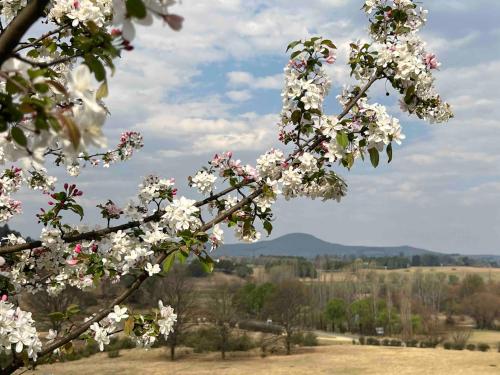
{"x":308,"y":246}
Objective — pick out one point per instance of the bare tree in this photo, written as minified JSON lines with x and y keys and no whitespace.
{"x":285,"y":305}
{"x":176,"y":289}
{"x":405,"y":306}
{"x":484,"y":308}
{"x":222,"y":309}
{"x":44,"y":305}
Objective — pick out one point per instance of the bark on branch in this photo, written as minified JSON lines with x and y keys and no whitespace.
{"x":16,"y":29}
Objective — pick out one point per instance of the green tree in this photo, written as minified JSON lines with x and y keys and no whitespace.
{"x":336,"y":312}
{"x":251,"y":298}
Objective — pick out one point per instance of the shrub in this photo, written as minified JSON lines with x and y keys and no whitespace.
{"x":310,"y":339}
{"x":297,"y":338}
{"x":429,"y":344}
{"x":471,"y":347}
{"x":252,"y":325}
{"x":114,"y":353}
{"x":447,"y":345}
{"x":386,"y":342}
{"x":461,"y":336}
{"x":362,"y":340}
{"x":372,"y":341}
{"x":208,"y":340}
{"x":483,"y":347}
{"x":395,"y":342}
{"x":304,"y":339}
{"x":241,"y":343}
{"x":203,"y":340}
{"x":411,"y":343}
{"x":116,"y":344}
{"x":458,"y":346}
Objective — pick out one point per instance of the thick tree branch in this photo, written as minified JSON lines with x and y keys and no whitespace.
{"x":96,"y":234}
{"x":9,"y":39}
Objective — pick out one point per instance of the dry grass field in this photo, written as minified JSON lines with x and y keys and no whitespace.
{"x":488,"y":274}
{"x":334,"y":359}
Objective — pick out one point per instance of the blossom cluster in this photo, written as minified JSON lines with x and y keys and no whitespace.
{"x":203,"y":181}
{"x":81,"y":11}
{"x":399,"y":52}
{"x":144,"y":333}
{"x":17,"y":330}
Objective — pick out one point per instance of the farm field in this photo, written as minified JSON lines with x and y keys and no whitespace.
{"x":333,"y":359}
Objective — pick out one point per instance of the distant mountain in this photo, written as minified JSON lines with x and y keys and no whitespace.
{"x":308,"y":246}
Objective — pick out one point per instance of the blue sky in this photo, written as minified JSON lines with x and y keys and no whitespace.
{"x":216,"y":86}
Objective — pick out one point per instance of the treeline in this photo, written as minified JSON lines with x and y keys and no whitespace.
{"x":407,"y":304}
{"x":335,"y":263}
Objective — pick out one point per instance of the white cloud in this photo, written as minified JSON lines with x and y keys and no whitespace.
{"x":441,"y":191}
{"x":239,"y":95}
{"x":239,"y":78}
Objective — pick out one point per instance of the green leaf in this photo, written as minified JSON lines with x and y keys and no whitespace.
{"x":268,"y":227}
{"x":389,"y":152}
{"x":102,"y":92}
{"x":207,"y":264}
{"x":56,"y":316}
{"x":128,"y":327}
{"x":182,"y":256}
{"x":374,"y":156}
{"x":342,"y":139}
{"x":296,"y":115}
{"x":72,"y":309}
{"x":293,"y":45}
{"x":18,"y":135}
{"x":58,"y":87}
{"x":349,"y":158}
{"x":169,"y":262}
{"x":295,"y":54}
{"x":96,"y":66}
{"x":77,"y":209}
{"x":329,"y":43}
{"x":68,"y":347}
{"x":135,"y":8}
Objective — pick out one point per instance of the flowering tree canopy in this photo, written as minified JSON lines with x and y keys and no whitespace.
{"x":52,"y":110}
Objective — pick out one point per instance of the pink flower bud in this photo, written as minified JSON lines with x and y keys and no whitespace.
{"x":72,"y":261}
{"x":78,"y":248}
{"x":2,"y":261}
{"x":4,"y":297}
{"x":431,"y":61}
